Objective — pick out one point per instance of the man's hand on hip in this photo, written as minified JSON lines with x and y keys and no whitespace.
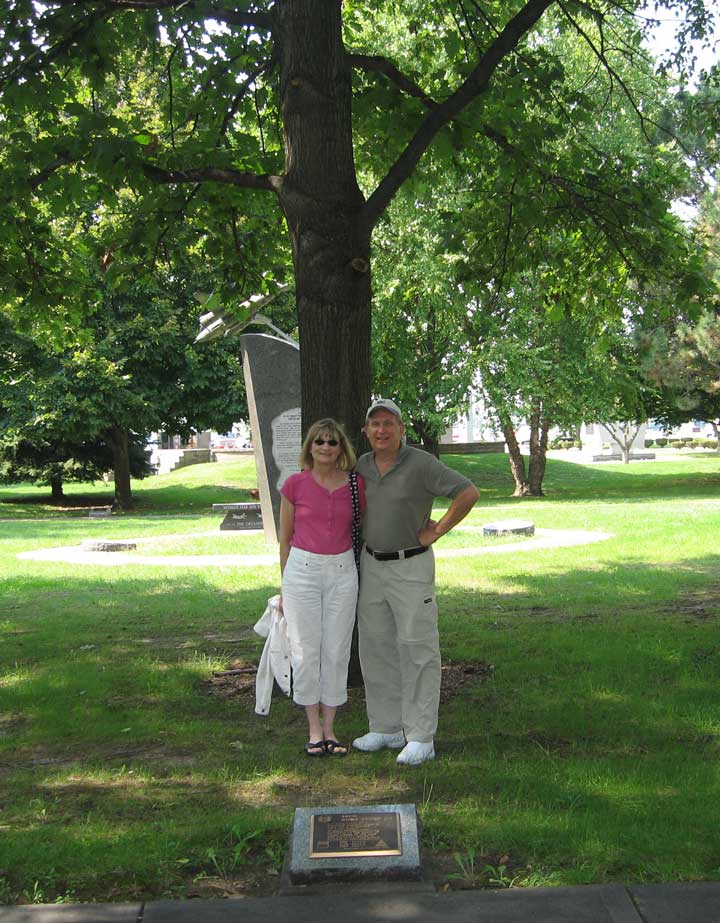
{"x":429,"y":533}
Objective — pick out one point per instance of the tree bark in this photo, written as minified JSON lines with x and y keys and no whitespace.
{"x":623,"y":437}
{"x":324,"y":209}
{"x":539,"y":429}
{"x":431,"y":444}
{"x":716,"y":431}
{"x":56,"y":489}
{"x":428,"y":441}
{"x":517,"y":462}
{"x":118,"y":441}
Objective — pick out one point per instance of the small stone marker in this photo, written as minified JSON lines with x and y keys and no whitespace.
{"x":99,"y":512}
{"x":355,"y":843}
{"x":509,"y":527}
{"x":240,"y":515}
{"x":105,"y":544}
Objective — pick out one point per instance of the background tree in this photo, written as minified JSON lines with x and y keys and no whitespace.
{"x":684,"y":364}
{"x":681,"y":355}
{"x":131,"y":369}
{"x":420,"y":348}
{"x":537,"y":366}
{"x":32,"y":450}
{"x":560,"y":233}
{"x":30,"y":459}
{"x":281,"y":98}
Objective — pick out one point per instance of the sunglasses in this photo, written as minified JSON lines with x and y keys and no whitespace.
{"x":330,"y":442}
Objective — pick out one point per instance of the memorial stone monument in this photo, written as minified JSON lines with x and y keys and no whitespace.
{"x":271,"y":368}
{"x":272,"y":381}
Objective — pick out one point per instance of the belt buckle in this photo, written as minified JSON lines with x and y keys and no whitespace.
{"x":401,"y":555}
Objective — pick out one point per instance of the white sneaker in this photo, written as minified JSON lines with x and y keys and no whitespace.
{"x":415,"y":753}
{"x":376,"y":741}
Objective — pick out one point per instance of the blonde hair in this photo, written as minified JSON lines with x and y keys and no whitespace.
{"x":346,"y":458}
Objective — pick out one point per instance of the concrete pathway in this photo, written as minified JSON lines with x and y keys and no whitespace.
{"x":75,"y":554}
{"x":677,"y":903}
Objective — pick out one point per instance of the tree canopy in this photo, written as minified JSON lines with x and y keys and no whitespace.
{"x":152,"y":128}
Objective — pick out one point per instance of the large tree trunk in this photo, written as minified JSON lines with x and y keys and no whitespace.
{"x":539,"y":428}
{"x":323,"y":206}
{"x":118,"y":441}
{"x":56,"y":489}
{"x":517,"y":462}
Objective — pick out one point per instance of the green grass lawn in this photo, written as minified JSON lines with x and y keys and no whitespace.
{"x":590,"y":753}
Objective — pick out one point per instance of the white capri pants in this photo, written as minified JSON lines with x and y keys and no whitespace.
{"x":319,"y":598}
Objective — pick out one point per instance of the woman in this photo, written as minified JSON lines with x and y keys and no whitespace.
{"x":319,"y":578}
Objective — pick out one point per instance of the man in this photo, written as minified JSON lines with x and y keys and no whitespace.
{"x":397,"y":610}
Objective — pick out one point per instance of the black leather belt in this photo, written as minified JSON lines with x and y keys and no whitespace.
{"x":396,"y":555}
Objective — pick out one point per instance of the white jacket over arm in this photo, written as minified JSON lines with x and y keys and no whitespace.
{"x":275,"y":659}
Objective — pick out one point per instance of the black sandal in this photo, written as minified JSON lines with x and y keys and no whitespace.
{"x":319,"y":746}
{"x":333,"y":748}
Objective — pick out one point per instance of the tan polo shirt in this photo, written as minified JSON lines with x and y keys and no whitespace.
{"x":400,"y":502}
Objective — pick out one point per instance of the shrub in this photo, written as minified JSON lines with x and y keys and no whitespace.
{"x":649,"y":443}
{"x":562,"y":442}
{"x":661,"y":442}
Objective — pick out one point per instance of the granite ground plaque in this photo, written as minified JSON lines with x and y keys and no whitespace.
{"x":355,"y":843}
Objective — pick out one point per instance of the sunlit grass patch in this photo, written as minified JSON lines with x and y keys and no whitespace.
{"x":589,"y":754}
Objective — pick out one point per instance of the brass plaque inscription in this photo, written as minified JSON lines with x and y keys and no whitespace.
{"x":333,"y":836}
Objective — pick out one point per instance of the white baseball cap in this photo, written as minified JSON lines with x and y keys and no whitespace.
{"x":383,"y":403}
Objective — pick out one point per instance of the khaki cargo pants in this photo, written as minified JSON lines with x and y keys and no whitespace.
{"x":400,"y":645}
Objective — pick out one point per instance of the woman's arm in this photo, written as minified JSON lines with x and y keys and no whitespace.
{"x":287,"y":527}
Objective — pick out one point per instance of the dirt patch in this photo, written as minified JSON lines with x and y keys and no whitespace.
{"x":470,"y":871}
{"x":35,"y":757}
{"x":10,"y":722}
{"x":238,"y":678}
{"x":449,"y":871}
{"x":458,"y":673}
{"x":700,"y":604}
{"x":248,"y":882}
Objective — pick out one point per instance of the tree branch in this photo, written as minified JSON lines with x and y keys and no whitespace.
{"x":213,"y":175}
{"x":255,"y":20}
{"x":445,"y":112}
{"x":602,"y":57}
{"x":62,"y":160}
{"x":382,"y":65}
